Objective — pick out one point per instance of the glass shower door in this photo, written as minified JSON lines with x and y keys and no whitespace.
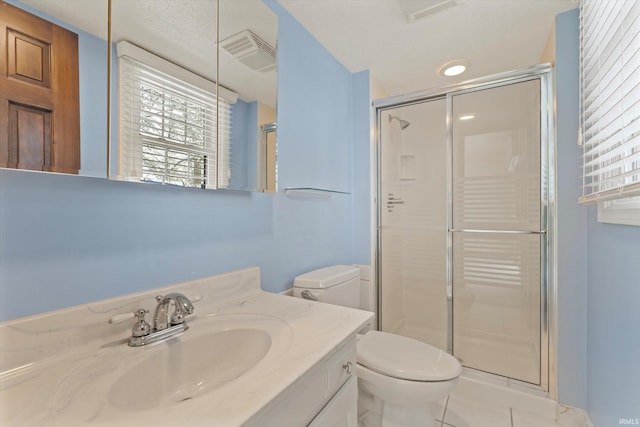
{"x":498,"y":230}
{"x":413,"y":221}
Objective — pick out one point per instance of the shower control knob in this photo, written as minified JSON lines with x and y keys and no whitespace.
{"x":348,"y":367}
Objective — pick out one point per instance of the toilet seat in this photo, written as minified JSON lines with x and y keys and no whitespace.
{"x":402,"y":392}
{"x":405,"y":358}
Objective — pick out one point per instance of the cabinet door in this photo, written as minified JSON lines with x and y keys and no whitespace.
{"x":342,"y":409}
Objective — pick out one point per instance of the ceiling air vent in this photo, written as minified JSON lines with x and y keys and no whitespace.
{"x":251,"y":50}
{"x":418,"y":9}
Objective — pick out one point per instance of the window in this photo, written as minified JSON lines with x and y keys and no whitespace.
{"x":167,"y":124}
{"x":610,"y":103}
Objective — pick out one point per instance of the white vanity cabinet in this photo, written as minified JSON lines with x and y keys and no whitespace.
{"x":341,"y":410}
{"x":325,"y":396}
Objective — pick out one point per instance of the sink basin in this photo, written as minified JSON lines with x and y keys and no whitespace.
{"x":184,"y":368}
{"x":215,"y":352}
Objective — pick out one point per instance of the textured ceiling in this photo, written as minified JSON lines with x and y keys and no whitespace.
{"x":494,"y":35}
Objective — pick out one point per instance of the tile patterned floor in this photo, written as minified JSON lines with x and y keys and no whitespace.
{"x":463,"y":413}
{"x":478,"y":403}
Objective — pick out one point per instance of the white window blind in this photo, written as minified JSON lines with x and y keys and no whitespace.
{"x":167,"y":125}
{"x":610,"y":98}
{"x":224,"y":149}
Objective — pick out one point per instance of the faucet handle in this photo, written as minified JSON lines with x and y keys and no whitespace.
{"x":119,"y":318}
{"x":141,"y":327}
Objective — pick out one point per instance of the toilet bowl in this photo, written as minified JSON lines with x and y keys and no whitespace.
{"x":399,"y":379}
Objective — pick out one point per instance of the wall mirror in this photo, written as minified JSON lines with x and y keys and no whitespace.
{"x":174,"y":125}
{"x":164,"y":64}
{"x":248,"y":67}
{"x":53,"y":86}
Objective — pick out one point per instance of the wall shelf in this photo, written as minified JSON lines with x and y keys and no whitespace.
{"x":311,"y":192}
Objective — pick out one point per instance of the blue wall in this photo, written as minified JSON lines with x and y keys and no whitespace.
{"x":362,"y":155}
{"x":598,"y":273}
{"x":244,"y":145}
{"x":571,"y":221}
{"x":67,"y":240}
{"x":613,"y":320}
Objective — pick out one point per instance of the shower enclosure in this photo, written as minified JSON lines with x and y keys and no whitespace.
{"x":464,"y":244}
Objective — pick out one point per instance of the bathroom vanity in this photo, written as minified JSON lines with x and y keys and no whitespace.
{"x":247,"y":358}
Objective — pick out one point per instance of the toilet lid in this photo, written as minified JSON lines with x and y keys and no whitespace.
{"x":406,"y":358}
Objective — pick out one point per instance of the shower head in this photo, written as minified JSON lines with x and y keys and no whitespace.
{"x":403,"y":123}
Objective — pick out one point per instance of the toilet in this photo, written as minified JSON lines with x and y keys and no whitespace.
{"x":399,"y":379}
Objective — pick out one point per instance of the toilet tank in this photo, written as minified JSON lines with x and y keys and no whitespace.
{"x":338,"y":284}
{"x":367,"y":296}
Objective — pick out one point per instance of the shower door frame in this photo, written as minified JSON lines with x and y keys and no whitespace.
{"x":548,"y":292}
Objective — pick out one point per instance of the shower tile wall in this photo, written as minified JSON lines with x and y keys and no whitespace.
{"x":413,"y":222}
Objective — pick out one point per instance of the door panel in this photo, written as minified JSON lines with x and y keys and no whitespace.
{"x":498,"y":230}
{"x":413,"y":222}
{"x":496,"y":158}
{"x":30,"y":138}
{"x":28,"y":59}
{"x":496,"y":303}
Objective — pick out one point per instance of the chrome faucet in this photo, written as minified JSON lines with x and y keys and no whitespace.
{"x":161,"y":318}
{"x":165,"y":325}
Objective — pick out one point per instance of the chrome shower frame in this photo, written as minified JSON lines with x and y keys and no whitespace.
{"x":548,"y":299}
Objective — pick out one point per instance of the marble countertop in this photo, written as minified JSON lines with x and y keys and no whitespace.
{"x":56,"y":368}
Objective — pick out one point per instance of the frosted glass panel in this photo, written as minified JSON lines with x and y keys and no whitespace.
{"x":496,"y":187}
{"x":496,"y":303}
{"x":496,"y":158}
{"x":413,"y":222}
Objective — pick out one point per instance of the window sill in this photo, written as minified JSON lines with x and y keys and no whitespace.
{"x":624,"y":211}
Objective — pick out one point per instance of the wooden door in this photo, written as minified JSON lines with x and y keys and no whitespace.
{"x":39,"y":94}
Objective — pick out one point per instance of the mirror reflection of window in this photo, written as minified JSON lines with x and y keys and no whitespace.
{"x":167,"y":129}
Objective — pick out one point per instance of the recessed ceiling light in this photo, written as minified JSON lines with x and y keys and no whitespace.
{"x":467,"y":117}
{"x":454,"y":68}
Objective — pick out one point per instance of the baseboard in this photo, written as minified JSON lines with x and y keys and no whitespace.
{"x":573,"y":417}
